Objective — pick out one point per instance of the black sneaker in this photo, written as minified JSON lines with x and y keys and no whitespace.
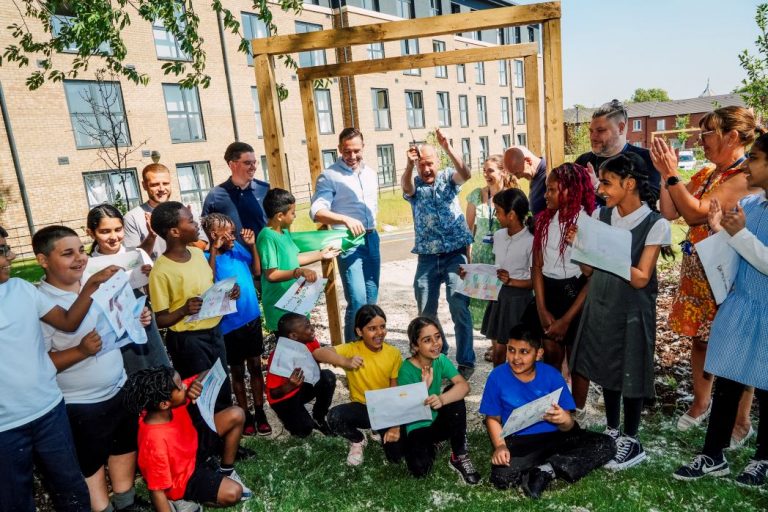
{"x":139,"y":505}
{"x":463,"y":466}
{"x":754,"y":474}
{"x":535,"y":482}
{"x":629,"y":452}
{"x":701,"y":466}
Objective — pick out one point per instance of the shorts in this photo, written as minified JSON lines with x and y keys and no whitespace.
{"x":244,"y":343}
{"x":100,"y":430}
{"x":203,"y":485}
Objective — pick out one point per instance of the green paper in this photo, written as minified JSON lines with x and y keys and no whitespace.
{"x":316,"y":240}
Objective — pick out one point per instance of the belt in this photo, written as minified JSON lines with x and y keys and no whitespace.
{"x":369,"y":231}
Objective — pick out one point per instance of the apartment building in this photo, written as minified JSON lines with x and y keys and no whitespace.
{"x":480,"y":106}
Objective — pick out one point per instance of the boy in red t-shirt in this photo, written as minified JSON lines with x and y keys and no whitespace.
{"x":287,"y":396}
{"x":174,"y":449}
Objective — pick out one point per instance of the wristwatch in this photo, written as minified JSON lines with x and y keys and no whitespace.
{"x":672,"y":181}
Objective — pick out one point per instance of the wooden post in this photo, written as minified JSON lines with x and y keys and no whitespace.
{"x":263,"y":67}
{"x":553,"y":93}
{"x":533,"y":104}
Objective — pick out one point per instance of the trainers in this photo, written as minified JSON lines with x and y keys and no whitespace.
{"x":185,"y":506}
{"x":262,"y":425}
{"x":463,"y":466}
{"x":244,"y":453}
{"x":613,"y":433}
{"x":249,"y":429}
{"x":355,"y":455}
{"x":629,"y":452}
{"x":754,"y":474}
{"x":466,"y":371}
{"x":701,"y":466}
{"x":139,"y":505}
{"x":247,"y":493}
{"x":536,"y":481}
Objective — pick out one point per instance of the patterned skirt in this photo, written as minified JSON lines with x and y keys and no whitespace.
{"x":693,"y":307}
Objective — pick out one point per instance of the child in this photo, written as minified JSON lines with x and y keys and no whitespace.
{"x":105,"y":225}
{"x":104,"y":432}
{"x":280,"y":258}
{"x":449,"y":413}
{"x":243,"y":338}
{"x":288,"y":395}
{"x":512,"y":249}
{"x":736,"y":352}
{"x":32,"y":411}
{"x":175,"y":450}
{"x":176,"y":282}
{"x":616,"y":339}
{"x":553,"y":447}
{"x":369,"y":364}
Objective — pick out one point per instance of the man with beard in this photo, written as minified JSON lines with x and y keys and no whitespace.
{"x":347,"y":197}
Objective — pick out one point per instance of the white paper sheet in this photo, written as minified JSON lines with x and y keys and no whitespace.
{"x":480,"y":282}
{"x":530,"y":413}
{"x":302,"y":296}
{"x":400,"y":405}
{"x":289,"y":355}
{"x":216,"y":301}
{"x":720,"y":262}
{"x":211,"y":385}
{"x":603,"y":246}
{"x":131,"y":261}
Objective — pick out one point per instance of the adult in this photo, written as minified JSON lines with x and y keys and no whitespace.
{"x":156,"y":181}
{"x":442,"y":237}
{"x":608,"y":137}
{"x":521,"y":163}
{"x":725,"y":134}
{"x":347,"y":197}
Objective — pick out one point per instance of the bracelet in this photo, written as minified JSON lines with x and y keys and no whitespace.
{"x":296,"y":273}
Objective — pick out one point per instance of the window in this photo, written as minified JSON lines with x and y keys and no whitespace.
{"x":522,"y":139}
{"x":166,"y":44}
{"x":504,"y":111}
{"x":461,"y":73}
{"x":59,"y":22}
{"x":466,"y":152}
{"x":661,"y":124}
{"x":375,"y":51}
{"x":519,"y":74}
{"x":329,"y":157}
{"x":483,"y":149}
{"x":405,"y":8}
{"x":518,"y":37}
{"x":482,"y":112}
{"x":194,"y":183}
{"x":463,"y":111}
{"x":440,"y":71}
{"x":253,"y":28}
{"x":314,"y":57}
{"x":265,"y":168}
{"x":371,"y":5}
{"x":324,"y":111}
{"x":531,"y":35}
{"x":506,"y":141}
{"x":385,"y":155}
{"x":112,"y":187}
{"x":381,"y":118}
{"x":184,"y":117}
{"x":97,"y":113}
{"x":501,"y":36}
{"x":503,"y":79}
{"x":410,"y":47}
{"x":435,"y":7}
{"x":443,"y":109}
{"x":257,"y":112}
{"x":479,"y":72}
{"x":414,"y":109}
{"x":455,"y":8}
{"x":520,"y":110}
{"x":637,"y":125}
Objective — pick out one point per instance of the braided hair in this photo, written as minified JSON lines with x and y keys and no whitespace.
{"x":145,"y":389}
{"x":214,"y":221}
{"x":574,"y":192}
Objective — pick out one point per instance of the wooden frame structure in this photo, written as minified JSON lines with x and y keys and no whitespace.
{"x":264,"y":50}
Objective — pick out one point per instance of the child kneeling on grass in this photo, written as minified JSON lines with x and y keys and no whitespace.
{"x":553,"y":447}
{"x":175,"y":444}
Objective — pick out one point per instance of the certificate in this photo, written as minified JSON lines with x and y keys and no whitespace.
{"x":131,"y":261}
{"x":400,"y":405}
{"x":211,"y":385}
{"x":603,"y":246}
{"x":530,"y":413}
{"x":720,"y":262}
{"x":289,"y":355}
{"x":302,"y":296}
{"x":216,"y":301}
{"x":480,"y":282}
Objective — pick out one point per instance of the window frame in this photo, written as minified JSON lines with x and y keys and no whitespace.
{"x":381,"y":173}
{"x":405,"y":47}
{"x":184,"y":92}
{"x":637,"y":125}
{"x":480,"y":73}
{"x":93,"y":92}
{"x":400,"y":7}
{"x":377,"y":111}
{"x":200,"y":192}
{"x":439,"y":47}
{"x":170,"y":38}
{"x":412,"y":111}
{"x":327,"y":152}
{"x":251,"y":31}
{"x":130,"y":202}
{"x":505,"y":111}
{"x":320,"y":113}
{"x":482,"y":113}
{"x":312,"y":55}
{"x":503,"y":73}
{"x":461,"y":76}
{"x":519,"y":74}
{"x":445,"y":111}
{"x":520,"y":114}
{"x":375,"y":51}
{"x":464,"y":113}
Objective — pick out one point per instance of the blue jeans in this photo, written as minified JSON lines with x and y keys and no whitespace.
{"x":360,"y":269}
{"x":48,"y":442}
{"x":431,"y":272}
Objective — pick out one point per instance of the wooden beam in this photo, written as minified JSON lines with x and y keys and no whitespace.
{"x":263,"y":68}
{"x":425,"y":60}
{"x":332,"y":302}
{"x":483,"y":19}
{"x":553,"y":93}
{"x":533,"y":104}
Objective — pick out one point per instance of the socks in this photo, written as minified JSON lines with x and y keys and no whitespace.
{"x":547,"y":468}
{"x":124,"y":499}
{"x":226,"y":469}
{"x":110,"y":508}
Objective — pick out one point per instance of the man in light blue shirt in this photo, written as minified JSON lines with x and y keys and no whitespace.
{"x":347,"y":197}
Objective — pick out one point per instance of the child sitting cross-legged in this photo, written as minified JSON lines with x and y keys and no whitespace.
{"x":176,"y":446}
{"x":553,"y":447}
{"x":288,"y":395}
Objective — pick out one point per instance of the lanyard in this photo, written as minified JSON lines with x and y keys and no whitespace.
{"x":491,"y":212}
{"x":713,"y":174}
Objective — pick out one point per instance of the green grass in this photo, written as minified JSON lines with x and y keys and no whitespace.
{"x":27,"y":269}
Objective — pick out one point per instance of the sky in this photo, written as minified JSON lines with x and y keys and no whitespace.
{"x":612,"y":47}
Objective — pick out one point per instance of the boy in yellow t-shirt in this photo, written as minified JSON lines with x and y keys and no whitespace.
{"x":178,"y":279}
{"x":369,"y":364}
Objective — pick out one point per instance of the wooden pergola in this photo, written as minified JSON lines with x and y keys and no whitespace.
{"x":547,"y":14}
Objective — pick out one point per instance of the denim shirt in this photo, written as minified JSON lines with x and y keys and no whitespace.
{"x":347,"y":192}
{"x":439,"y":223}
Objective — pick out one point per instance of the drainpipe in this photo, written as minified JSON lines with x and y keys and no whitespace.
{"x":16,"y":163}
{"x":227,"y":77}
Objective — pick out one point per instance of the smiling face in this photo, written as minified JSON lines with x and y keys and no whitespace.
{"x":187,"y":229}
{"x":6,"y":257}
{"x":108,"y":235}
{"x":522,"y":357}
{"x":428,"y":164}
{"x":613,"y":188}
{"x":302,"y":331}
{"x":492,"y":173}
{"x":65,"y":264}
{"x":244,"y":168}
{"x":226,"y":233}
{"x":757,"y":169}
{"x":607,"y":136}
{"x":429,"y":343}
{"x":158,"y":186}
{"x":552,"y":193}
{"x":351,"y":151}
{"x":287,"y":218}
{"x":373,"y":333}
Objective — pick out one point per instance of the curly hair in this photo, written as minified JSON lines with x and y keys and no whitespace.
{"x":574,"y":192}
{"x":145,"y":389}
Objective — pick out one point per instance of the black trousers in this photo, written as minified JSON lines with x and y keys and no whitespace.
{"x":420,"y":444}
{"x":294,"y":415}
{"x":345,"y":420}
{"x":725,"y":406}
{"x":572,"y":454}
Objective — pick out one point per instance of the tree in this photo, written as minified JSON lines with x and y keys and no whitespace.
{"x":643,"y":95}
{"x":755,"y":86}
{"x":93,"y":28}
{"x":578,"y":139}
{"x":681,"y":123}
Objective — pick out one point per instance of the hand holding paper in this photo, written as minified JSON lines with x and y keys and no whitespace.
{"x":603,"y":246}
{"x":396,"y":406}
{"x":530,"y":413}
{"x":211,"y":384}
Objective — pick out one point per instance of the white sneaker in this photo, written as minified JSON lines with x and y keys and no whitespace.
{"x":355,"y":455}
{"x":739,"y":443}
{"x":247,"y":493}
{"x":687,"y":421}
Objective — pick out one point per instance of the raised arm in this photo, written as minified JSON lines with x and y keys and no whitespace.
{"x":406,"y":180}
{"x":68,"y":320}
{"x":463,"y":173}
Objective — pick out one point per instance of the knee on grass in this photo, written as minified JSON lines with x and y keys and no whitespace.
{"x":229,"y":493}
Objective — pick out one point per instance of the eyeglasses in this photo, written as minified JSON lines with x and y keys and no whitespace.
{"x":704,"y":134}
{"x":5,"y":250}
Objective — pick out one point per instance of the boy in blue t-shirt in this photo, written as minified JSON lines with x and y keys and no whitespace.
{"x":242,"y":333}
{"x":556,"y":445}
